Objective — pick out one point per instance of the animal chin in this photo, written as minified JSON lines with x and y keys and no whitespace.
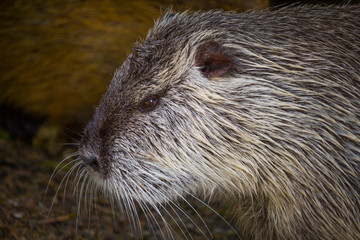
{"x":125,"y":185}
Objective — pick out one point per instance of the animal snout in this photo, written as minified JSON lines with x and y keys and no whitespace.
{"x":91,"y":161}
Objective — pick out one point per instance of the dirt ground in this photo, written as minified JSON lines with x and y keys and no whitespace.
{"x":25,"y":210}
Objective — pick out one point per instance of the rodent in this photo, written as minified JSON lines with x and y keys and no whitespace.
{"x":57,"y":57}
{"x":262,"y":108}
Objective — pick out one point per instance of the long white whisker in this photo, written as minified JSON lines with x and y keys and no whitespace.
{"x":57,"y":191}
{"x":68,"y":174}
{"x":124,"y":198}
{"x":187,"y":215}
{"x":152,"y":204}
{"x":178,"y":225}
{"x":197,"y":213}
{"x":222,"y":218}
{"x":81,"y":192}
{"x":150,"y":220}
{"x":55,"y":172}
{"x":136,"y":220}
{"x":88,"y":200}
{"x":79,"y":173}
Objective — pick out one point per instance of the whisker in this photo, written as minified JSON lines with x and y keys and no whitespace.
{"x":198,"y":214}
{"x":87,"y":203}
{"x":127,"y":205}
{"x":55,"y":172}
{"x":135,"y":221}
{"x":68,"y":174}
{"x":221,"y":217}
{"x":79,"y":173}
{"x":150,"y":220}
{"x":81,"y":192}
{"x":57,"y":191}
{"x":168,"y":228}
{"x":187,"y":215}
{"x":178,"y":225}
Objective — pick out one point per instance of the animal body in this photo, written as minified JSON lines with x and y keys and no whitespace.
{"x":261,"y":109}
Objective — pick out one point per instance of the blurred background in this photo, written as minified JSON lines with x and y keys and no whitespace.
{"x":56,"y":60}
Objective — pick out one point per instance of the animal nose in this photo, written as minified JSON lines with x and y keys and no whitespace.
{"x":91,"y":161}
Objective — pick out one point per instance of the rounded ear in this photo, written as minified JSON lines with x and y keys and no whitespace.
{"x":211,"y":60}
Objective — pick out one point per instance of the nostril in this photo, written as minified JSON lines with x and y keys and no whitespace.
{"x":92,"y":162}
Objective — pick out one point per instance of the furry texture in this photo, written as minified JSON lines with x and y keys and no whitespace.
{"x":277,"y":135}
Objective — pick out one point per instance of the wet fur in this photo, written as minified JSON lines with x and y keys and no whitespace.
{"x":277,"y":134}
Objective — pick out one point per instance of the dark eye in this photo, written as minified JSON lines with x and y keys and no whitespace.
{"x":148,"y":104}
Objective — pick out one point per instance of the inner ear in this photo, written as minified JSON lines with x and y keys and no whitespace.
{"x":212,"y":60}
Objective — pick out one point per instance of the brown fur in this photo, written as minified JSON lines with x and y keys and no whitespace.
{"x":260,"y":107}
